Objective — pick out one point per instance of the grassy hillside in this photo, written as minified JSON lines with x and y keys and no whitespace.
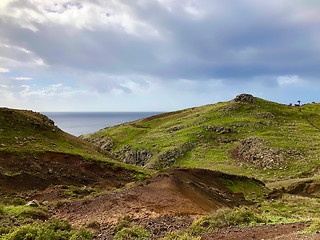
{"x":253,"y":137}
{"x":27,"y":131}
{"x":34,"y":153}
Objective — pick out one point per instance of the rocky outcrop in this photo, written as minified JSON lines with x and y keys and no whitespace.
{"x":265,"y":115}
{"x":219,"y":129}
{"x":169,"y":157}
{"x":128,"y":154}
{"x":304,"y":188}
{"x":307,"y":188}
{"x":244,"y":98}
{"x":255,"y":151}
{"x":104,"y":142}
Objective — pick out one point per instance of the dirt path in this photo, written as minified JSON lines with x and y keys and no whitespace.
{"x":279,"y":232}
{"x":157,"y":227}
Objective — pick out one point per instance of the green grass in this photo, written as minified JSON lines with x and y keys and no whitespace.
{"x":27,"y":222}
{"x":293,"y":206}
{"x":135,"y":232}
{"x":28,"y":133}
{"x":53,"y":229}
{"x":284,"y":127}
{"x":231,"y":217}
{"x":314,"y":227}
{"x":250,"y":189}
{"x":243,"y":216}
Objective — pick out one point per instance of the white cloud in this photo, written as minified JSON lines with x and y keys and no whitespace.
{"x":23,"y":78}
{"x":288,"y":80}
{"x":4,"y":70}
{"x":50,"y":91}
{"x":122,"y":50}
{"x":81,"y":15}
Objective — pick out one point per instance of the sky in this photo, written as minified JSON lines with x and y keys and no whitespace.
{"x":159,"y":55}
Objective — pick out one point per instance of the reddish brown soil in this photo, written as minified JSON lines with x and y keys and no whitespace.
{"x":282,"y":231}
{"x":175,"y":192}
{"x":167,"y":202}
{"x":29,"y":172}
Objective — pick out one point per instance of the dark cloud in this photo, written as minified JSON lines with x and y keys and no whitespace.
{"x":199,"y":40}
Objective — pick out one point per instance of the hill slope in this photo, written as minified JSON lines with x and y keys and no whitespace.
{"x":173,"y":192}
{"x":247,"y":135}
{"x":28,"y":131}
{"x":34,"y":154}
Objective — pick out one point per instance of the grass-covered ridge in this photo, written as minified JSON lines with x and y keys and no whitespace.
{"x":28,"y":131}
{"x":34,"y":150}
{"x":225,"y":136}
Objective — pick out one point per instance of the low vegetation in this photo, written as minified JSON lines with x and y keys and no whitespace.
{"x":31,"y":222}
{"x":229,"y":217}
{"x":260,"y":139}
{"x":135,"y":232}
{"x":270,"y":143}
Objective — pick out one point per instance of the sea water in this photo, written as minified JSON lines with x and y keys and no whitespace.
{"x":78,"y":123}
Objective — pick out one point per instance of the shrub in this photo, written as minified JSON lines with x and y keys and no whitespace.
{"x":179,"y":236}
{"x":34,"y":213}
{"x":25,"y":232}
{"x":3,"y":230}
{"x":93,"y":224}
{"x":82,"y":234}
{"x":136,"y":232}
{"x":196,"y":230}
{"x":314,"y":227}
{"x":18,"y":201}
{"x":58,"y":224}
{"x":51,"y":230}
{"x":2,"y":211}
{"x":122,"y":223}
{"x":231,"y":217}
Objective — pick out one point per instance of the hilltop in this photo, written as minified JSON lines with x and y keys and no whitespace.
{"x":250,"y":135}
{"x":28,"y":131}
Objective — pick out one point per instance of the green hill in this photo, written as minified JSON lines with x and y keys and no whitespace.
{"x":28,"y":131}
{"x":34,"y":153}
{"x":247,"y":135}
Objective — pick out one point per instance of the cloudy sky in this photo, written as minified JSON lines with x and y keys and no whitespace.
{"x":156,"y":55}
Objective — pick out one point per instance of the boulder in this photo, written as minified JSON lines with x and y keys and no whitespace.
{"x":244,"y":98}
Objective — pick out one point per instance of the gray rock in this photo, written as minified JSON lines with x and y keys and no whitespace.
{"x":33,"y":203}
{"x":244,"y":98}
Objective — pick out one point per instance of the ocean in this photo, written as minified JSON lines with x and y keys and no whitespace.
{"x":78,"y":123}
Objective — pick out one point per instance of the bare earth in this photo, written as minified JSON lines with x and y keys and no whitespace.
{"x":282,"y":231}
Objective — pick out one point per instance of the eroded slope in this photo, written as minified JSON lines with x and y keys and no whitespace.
{"x":173,"y":192}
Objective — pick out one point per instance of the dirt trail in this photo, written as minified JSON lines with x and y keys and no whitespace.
{"x":281,"y":231}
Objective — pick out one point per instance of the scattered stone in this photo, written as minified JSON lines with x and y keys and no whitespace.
{"x":255,"y":151}
{"x":219,"y":129}
{"x":265,"y":115}
{"x":33,"y":203}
